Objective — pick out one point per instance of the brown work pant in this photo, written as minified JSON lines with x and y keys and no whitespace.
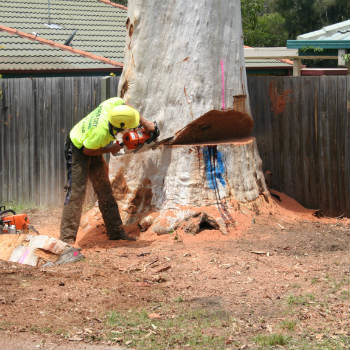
{"x":94,"y":168}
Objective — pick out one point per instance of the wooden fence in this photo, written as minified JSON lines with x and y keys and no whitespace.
{"x":303,"y":131}
{"x":301,"y":124}
{"x":35,"y":117}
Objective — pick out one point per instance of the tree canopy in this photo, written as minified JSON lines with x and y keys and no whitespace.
{"x":121,"y":2}
{"x":260,"y":27}
{"x":272,"y":22}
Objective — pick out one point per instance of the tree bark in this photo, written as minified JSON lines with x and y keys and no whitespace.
{"x":183,"y":61}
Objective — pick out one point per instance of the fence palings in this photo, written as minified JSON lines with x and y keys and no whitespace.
{"x":302,"y":129}
{"x":36,"y":115}
{"x":301,"y":124}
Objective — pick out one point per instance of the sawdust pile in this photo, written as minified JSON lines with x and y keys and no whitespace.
{"x":194,"y":224}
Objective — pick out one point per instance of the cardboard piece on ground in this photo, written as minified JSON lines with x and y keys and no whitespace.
{"x":35,"y":250}
{"x":8,"y":242}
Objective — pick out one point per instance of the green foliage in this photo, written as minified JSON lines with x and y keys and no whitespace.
{"x":300,"y":299}
{"x":315,"y":280}
{"x":303,"y":16}
{"x":299,"y":15}
{"x":251,"y":10}
{"x":272,"y":22}
{"x":269,"y":31}
{"x":261,"y":28}
{"x":311,"y":49}
{"x":179,"y":300}
{"x":271,"y":340}
{"x":19,"y":207}
{"x":182,"y":327}
{"x":121,"y":2}
{"x":288,"y":325}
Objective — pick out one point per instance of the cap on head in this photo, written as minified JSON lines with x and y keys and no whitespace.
{"x":124,"y":117}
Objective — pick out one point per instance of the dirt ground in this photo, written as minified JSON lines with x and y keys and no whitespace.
{"x":280,"y":278}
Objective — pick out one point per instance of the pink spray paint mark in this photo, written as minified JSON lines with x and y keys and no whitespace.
{"x":222,"y":85}
{"x":23,"y":257}
{"x":75,"y":253}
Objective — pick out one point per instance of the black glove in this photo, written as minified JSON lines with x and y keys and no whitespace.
{"x":154,"y":134}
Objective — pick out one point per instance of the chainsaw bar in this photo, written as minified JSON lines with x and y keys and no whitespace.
{"x":212,"y":127}
{"x":145,"y":147}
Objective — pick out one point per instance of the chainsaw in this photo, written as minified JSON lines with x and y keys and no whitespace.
{"x":135,"y":139}
{"x":11,"y":222}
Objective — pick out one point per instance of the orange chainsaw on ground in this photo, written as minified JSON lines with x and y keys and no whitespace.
{"x":10,"y":222}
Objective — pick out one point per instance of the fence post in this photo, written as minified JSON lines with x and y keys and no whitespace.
{"x":296,"y":67}
{"x":105,"y":88}
{"x":341,"y":57}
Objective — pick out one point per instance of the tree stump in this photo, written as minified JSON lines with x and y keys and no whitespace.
{"x":184,"y":68}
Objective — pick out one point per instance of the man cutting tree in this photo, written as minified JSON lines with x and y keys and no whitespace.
{"x":88,"y":140}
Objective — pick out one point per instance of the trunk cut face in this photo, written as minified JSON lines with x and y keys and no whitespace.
{"x":215,"y":127}
{"x":184,"y":68}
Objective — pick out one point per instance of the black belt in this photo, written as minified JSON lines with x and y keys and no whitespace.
{"x":68,"y":154}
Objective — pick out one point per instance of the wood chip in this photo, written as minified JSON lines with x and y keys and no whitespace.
{"x":75,"y":338}
{"x":143,"y":254}
{"x":149,"y":334}
{"x":133,"y":269}
{"x":151,"y":263}
{"x":163,"y":268}
{"x":225,"y":266}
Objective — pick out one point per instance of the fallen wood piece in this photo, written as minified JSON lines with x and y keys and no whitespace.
{"x":151,"y":263}
{"x":163,"y":268}
{"x":45,"y":255}
{"x":260,"y":253}
{"x":202,"y":221}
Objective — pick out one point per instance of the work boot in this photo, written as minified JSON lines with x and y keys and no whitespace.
{"x":120,"y":235}
{"x":70,"y":242}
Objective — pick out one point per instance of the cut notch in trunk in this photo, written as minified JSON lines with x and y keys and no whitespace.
{"x":215,"y":126}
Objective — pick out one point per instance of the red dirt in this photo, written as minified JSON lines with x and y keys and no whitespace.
{"x":92,"y":232}
{"x":276,"y":250}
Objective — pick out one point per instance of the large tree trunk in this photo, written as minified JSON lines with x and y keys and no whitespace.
{"x":184,"y":60}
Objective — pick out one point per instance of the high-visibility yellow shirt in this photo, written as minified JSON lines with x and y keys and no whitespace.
{"x":92,"y":131}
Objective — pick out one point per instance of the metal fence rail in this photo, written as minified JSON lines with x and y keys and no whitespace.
{"x":35,"y":117}
{"x":302,"y":129}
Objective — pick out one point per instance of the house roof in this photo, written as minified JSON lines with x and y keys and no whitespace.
{"x":335,"y":36}
{"x":338,"y":31}
{"x":100,"y":32}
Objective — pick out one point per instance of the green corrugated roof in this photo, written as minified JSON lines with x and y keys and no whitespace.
{"x":335,"y":36}
{"x":338,"y":31}
{"x":100,"y":30}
